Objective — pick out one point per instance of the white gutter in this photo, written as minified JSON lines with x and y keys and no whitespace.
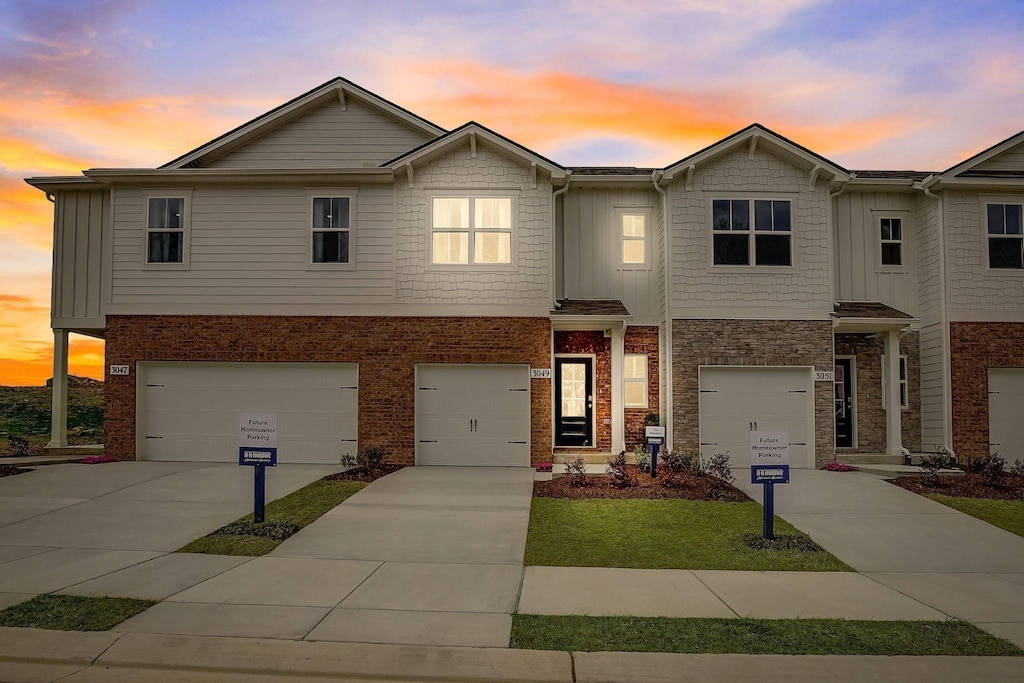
{"x":554,"y":202}
{"x":656,"y":177}
{"x":947,"y":363}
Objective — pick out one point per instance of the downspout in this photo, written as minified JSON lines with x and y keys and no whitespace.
{"x":947,"y":363}
{"x":656,"y":177}
{"x":554,"y":202}
{"x":833,"y":249}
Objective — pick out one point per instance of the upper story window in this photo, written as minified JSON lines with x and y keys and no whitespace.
{"x":1005,"y":236}
{"x":634,"y":238}
{"x":764,"y":241}
{"x":332,"y":228}
{"x":892,"y":241}
{"x":167,"y":227}
{"x":471,"y":230}
{"x":635,"y":380}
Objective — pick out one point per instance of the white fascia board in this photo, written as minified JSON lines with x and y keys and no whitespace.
{"x":611,"y":179}
{"x":842,"y":325}
{"x":882,"y":185}
{"x":234,"y":175}
{"x":587,"y":322}
{"x":983,"y":156}
{"x":979,"y":183}
{"x":62,"y":183}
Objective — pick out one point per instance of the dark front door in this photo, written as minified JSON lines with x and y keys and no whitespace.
{"x":574,"y":402}
{"x":844,"y":403}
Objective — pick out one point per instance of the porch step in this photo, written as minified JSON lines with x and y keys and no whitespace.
{"x":903,"y":470}
{"x":85,"y":450}
{"x":858,"y":459}
{"x":589,"y":458}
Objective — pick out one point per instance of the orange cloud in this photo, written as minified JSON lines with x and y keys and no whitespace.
{"x":25,"y":212}
{"x":32,"y":364}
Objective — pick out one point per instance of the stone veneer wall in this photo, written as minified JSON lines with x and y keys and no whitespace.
{"x":643,"y":339}
{"x":973,"y":349}
{"x":870,"y":417}
{"x":386,"y":349}
{"x":753,"y":343}
{"x":596,"y":344}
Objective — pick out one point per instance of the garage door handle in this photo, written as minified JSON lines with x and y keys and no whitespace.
{"x":798,"y":391}
{"x":708,"y":443}
{"x":797,"y":443}
{"x":523,"y":442}
{"x":517,"y":390}
{"x":154,"y":437}
{"x":428,"y":441}
{"x":154,"y":385}
{"x":428,"y":388}
{"x":348,"y":387}
{"x":348,"y":440}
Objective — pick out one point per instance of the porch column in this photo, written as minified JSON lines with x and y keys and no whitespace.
{"x":893,"y":414}
{"x":618,"y":400}
{"x":59,"y":408}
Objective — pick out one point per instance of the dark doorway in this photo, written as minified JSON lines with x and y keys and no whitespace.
{"x":574,"y":402}
{"x":844,"y":403}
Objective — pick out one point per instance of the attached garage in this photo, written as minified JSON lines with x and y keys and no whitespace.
{"x":1005,"y":403}
{"x":473,"y":415}
{"x":733,"y":400}
{"x":189,"y":411}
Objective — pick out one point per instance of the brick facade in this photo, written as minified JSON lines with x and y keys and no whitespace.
{"x":643,"y":340}
{"x":593,"y":343}
{"x":753,"y":343}
{"x":973,"y":349}
{"x":868,"y":412}
{"x":386,"y":349}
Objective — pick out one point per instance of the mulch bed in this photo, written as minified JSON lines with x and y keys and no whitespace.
{"x":366,"y":474}
{"x":966,"y":486}
{"x":685,"y":485}
{"x":10,"y":470}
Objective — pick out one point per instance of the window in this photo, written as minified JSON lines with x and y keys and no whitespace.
{"x":471,"y":230}
{"x":635,"y":375}
{"x":904,"y":400}
{"x":165,"y":230}
{"x":331,"y":229}
{"x":892,"y":241}
{"x":1005,"y":236}
{"x":769,"y":243}
{"x":633,"y":234}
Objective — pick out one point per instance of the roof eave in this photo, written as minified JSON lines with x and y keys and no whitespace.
{"x":211,"y":175}
{"x":61,"y":183}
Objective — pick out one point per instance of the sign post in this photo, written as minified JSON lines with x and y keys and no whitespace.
{"x":654,"y":437}
{"x":769,"y":465}
{"x":257,"y":448}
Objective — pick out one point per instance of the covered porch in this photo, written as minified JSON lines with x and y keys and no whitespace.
{"x":58,"y":446}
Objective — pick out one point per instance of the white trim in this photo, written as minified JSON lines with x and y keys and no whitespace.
{"x":646,"y":380}
{"x":981,"y":158}
{"x":621,"y":212}
{"x":751,"y":267}
{"x":877,"y":216}
{"x":472,"y":196}
{"x":350,"y":193}
{"x":987,"y":200}
{"x":184,"y":194}
{"x":556,"y":393}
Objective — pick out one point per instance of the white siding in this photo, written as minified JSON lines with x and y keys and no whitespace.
{"x":250,"y":246}
{"x":1010,"y":160}
{"x":77,"y":288}
{"x":327,"y":137}
{"x":802,"y":290}
{"x":859,"y":273}
{"x":973,"y":287}
{"x":929,"y":260}
{"x":592,"y":267}
{"x":933,"y":386}
{"x":528,"y":283}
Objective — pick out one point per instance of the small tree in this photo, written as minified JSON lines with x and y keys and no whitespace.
{"x":621,"y":476}
{"x":576,"y":470}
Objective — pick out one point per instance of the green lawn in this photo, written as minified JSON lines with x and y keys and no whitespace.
{"x":72,"y":612}
{"x":299,"y":507}
{"x":1005,"y":514}
{"x":755,"y":636}
{"x":659,"y":534}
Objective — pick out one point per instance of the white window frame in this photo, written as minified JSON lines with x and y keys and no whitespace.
{"x":645,"y":380}
{"x":185,"y":194}
{"x":472,"y":196}
{"x":882,"y":241}
{"x":752,"y":232}
{"x":904,"y":370}
{"x":349,"y":193}
{"x":986,"y":201}
{"x":620,"y":213}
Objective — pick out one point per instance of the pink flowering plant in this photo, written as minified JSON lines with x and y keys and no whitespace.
{"x":839,"y":467}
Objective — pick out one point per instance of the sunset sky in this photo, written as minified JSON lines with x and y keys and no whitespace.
{"x":891,"y":85}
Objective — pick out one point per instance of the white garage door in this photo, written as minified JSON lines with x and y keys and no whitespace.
{"x":473,"y":415}
{"x":1005,"y":403}
{"x":774,"y":399}
{"x":189,"y":411}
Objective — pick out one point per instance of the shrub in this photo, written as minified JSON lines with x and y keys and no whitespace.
{"x":652,"y":420}
{"x":576,"y":470}
{"x":992,"y":467}
{"x":372,"y":456}
{"x":642,"y":458}
{"x":17,"y":446}
{"x":1018,"y":468}
{"x":348,"y":461}
{"x":720,"y":468}
{"x":942,"y":459}
{"x":676,"y":462}
{"x":622,"y":478}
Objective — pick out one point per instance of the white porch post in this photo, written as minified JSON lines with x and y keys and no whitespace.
{"x":618,"y":400}
{"x":893,"y":413}
{"x":59,"y":409}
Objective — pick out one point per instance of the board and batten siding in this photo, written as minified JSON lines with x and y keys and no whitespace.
{"x":859,"y":273}
{"x":528,"y":282}
{"x":249,"y":252}
{"x":330,"y":136}
{"x":933,"y":328}
{"x":698,"y":288}
{"x":79,"y":258}
{"x":591,"y":248}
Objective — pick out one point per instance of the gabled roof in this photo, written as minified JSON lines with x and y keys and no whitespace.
{"x":337,"y":88}
{"x":756,"y":132}
{"x":470,"y":130}
{"x":983,"y":156}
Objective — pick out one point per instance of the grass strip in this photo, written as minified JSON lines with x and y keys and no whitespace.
{"x":755,"y":636}
{"x":660,"y":534}
{"x":72,"y":612}
{"x":1005,"y":514}
{"x":300,"y":507}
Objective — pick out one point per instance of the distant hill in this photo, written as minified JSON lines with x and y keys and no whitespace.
{"x":76,"y":381}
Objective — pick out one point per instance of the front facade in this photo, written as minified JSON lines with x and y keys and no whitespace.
{"x":458,"y":299}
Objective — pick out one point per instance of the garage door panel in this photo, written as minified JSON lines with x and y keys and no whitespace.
{"x":190,"y":410}
{"x":1005,"y":410}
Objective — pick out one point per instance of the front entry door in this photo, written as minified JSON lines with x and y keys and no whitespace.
{"x":844,"y":403}
{"x":574,"y":402}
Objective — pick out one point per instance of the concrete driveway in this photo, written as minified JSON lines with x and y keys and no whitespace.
{"x":64,"y":525}
{"x":425,"y":556}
